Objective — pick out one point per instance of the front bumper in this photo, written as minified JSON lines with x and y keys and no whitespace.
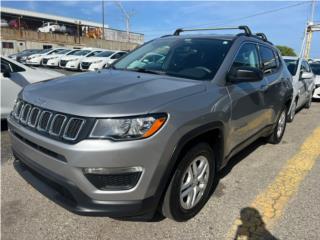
{"x":36,"y":61}
{"x":316,"y":93}
{"x":66,"y":194}
{"x":73,"y":65}
{"x":65,"y":162}
{"x":52,"y":63}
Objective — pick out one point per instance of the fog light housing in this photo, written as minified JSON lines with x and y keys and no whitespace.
{"x":113,"y":179}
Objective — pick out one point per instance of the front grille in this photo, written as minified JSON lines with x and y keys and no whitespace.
{"x":57,"y":125}
{"x":44,"y":61}
{"x":85,"y":65}
{"x":63,"y":63}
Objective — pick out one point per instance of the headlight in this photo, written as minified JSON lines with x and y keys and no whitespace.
{"x":98,"y":61}
{"x":128,"y":128}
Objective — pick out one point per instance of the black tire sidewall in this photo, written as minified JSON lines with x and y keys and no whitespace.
{"x":274,"y":138}
{"x":177,"y":212}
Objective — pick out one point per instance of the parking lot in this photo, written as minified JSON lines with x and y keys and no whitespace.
{"x":266,"y":192}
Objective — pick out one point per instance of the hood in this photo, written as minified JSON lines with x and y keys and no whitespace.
{"x":69,"y":57}
{"x":37,"y":55}
{"x":109,"y":93}
{"x":93,"y":59}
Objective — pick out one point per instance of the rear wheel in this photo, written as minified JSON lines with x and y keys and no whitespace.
{"x":190,"y":186}
{"x":280,"y":128}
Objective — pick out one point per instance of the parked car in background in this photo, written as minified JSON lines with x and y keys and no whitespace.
{"x":15,"y":76}
{"x":18,"y":56}
{"x":52,"y":27}
{"x":315,"y":66}
{"x":72,"y":62}
{"x":53,"y":60}
{"x":4,"y":23}
{"x":303,"y":84}
{"x":100,"y":60}
{"x":133,"y":141}
{"x":36,"y":59}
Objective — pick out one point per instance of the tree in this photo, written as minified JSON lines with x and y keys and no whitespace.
{"x":286,"y":51}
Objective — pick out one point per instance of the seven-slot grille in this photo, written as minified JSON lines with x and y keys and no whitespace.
{"x":63,"y":63}
{"x":85,"y":65}
{"x":46,"y":121}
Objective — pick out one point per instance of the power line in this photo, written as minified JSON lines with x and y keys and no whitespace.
{"x":240,"y":18}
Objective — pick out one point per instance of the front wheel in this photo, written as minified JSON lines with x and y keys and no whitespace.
{"x":190,"y":186}
{"x":293,"y":111}
{"x":308,"y":103}
{"x":278,"y":131}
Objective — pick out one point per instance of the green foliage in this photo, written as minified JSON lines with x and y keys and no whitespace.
{"x":286,"y":51}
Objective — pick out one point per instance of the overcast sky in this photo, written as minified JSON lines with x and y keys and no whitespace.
{"x":282,"y":21}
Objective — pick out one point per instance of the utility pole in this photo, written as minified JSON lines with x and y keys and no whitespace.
{"x":311,"y":27}
{"x":103,"y":37}
{"x":127,"y":19}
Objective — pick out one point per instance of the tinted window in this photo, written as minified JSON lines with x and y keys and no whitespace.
{"x":104,"y":54}
{"x":305,"y":67}
{"x":93,"y":54}
{"x":247,"y":57}
{"x":194,"y":58}
{"x":291,"y":65}
{"x":268,"y":59}
{"x":315,"y":68}
{"x":9,"y":66}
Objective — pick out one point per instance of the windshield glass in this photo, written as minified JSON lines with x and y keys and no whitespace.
{"x":45,"y":50}
{"x":193,"y":58}
{"x":104,"y":54}
{"x":315,"y":68}
{"x":81,"y":53}
{"x":292,"y":65}
{"x":73,"y":52}
{"x":64,"y":51}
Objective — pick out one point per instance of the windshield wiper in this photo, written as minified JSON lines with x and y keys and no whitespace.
{"x":143,"y":70}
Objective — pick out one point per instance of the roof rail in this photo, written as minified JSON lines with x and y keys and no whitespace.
{"x":246,"y":30}
{"x":262,"y":36}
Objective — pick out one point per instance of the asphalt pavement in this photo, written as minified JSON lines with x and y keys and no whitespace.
{"x":287,"y":174}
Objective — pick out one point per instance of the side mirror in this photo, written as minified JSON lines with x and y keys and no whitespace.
{"x":6,"y":73}
{"x":244,"y":74}
{"x":306,"y":75}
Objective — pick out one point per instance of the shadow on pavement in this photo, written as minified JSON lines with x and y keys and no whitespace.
{"x":4,"y":125}
{"x":252,"y":227}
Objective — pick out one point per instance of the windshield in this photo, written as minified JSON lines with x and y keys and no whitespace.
{"x":104,"y":54}
{"x":193,"y":58}
{"x":73,"y":52}
{"x":81,"y":53}
{"x":315,"y":68}
{"x":292,"y":65}
{"x":46,"y":50}
{"x":63,"y":51}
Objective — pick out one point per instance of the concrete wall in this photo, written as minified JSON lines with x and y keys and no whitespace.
{"x":31,"y":39}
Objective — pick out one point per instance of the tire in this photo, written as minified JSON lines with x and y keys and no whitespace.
{"x":181,"y":208}
{"x":308,"y":103}
{"x":280,"y":128}
{"x":293,"y":111}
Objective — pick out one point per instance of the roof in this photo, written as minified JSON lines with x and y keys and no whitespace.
{"x":50,"y":17}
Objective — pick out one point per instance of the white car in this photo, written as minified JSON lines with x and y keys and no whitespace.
{"x":72,"y":62}
{"x":15,"y":76}
{"x":101,"y":60}
{"x":35,"y":59}
{"x":316,"y":70}
{"x":303,"y":81}
{"x":52,"y":27}
{"x":54,"y":59}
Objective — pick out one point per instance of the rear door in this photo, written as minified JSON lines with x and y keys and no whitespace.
{"x":248,"y":107}
{"x":274,"y":76}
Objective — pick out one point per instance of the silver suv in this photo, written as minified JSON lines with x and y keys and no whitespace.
{"x":150,"y":133}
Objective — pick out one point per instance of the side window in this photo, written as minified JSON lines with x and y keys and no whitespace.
{"x":116,"y":56}
{"x":305,"y":67}
{"x":247,"y":56}
{"x":11,"y":67}
{"x":268,"y":58}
